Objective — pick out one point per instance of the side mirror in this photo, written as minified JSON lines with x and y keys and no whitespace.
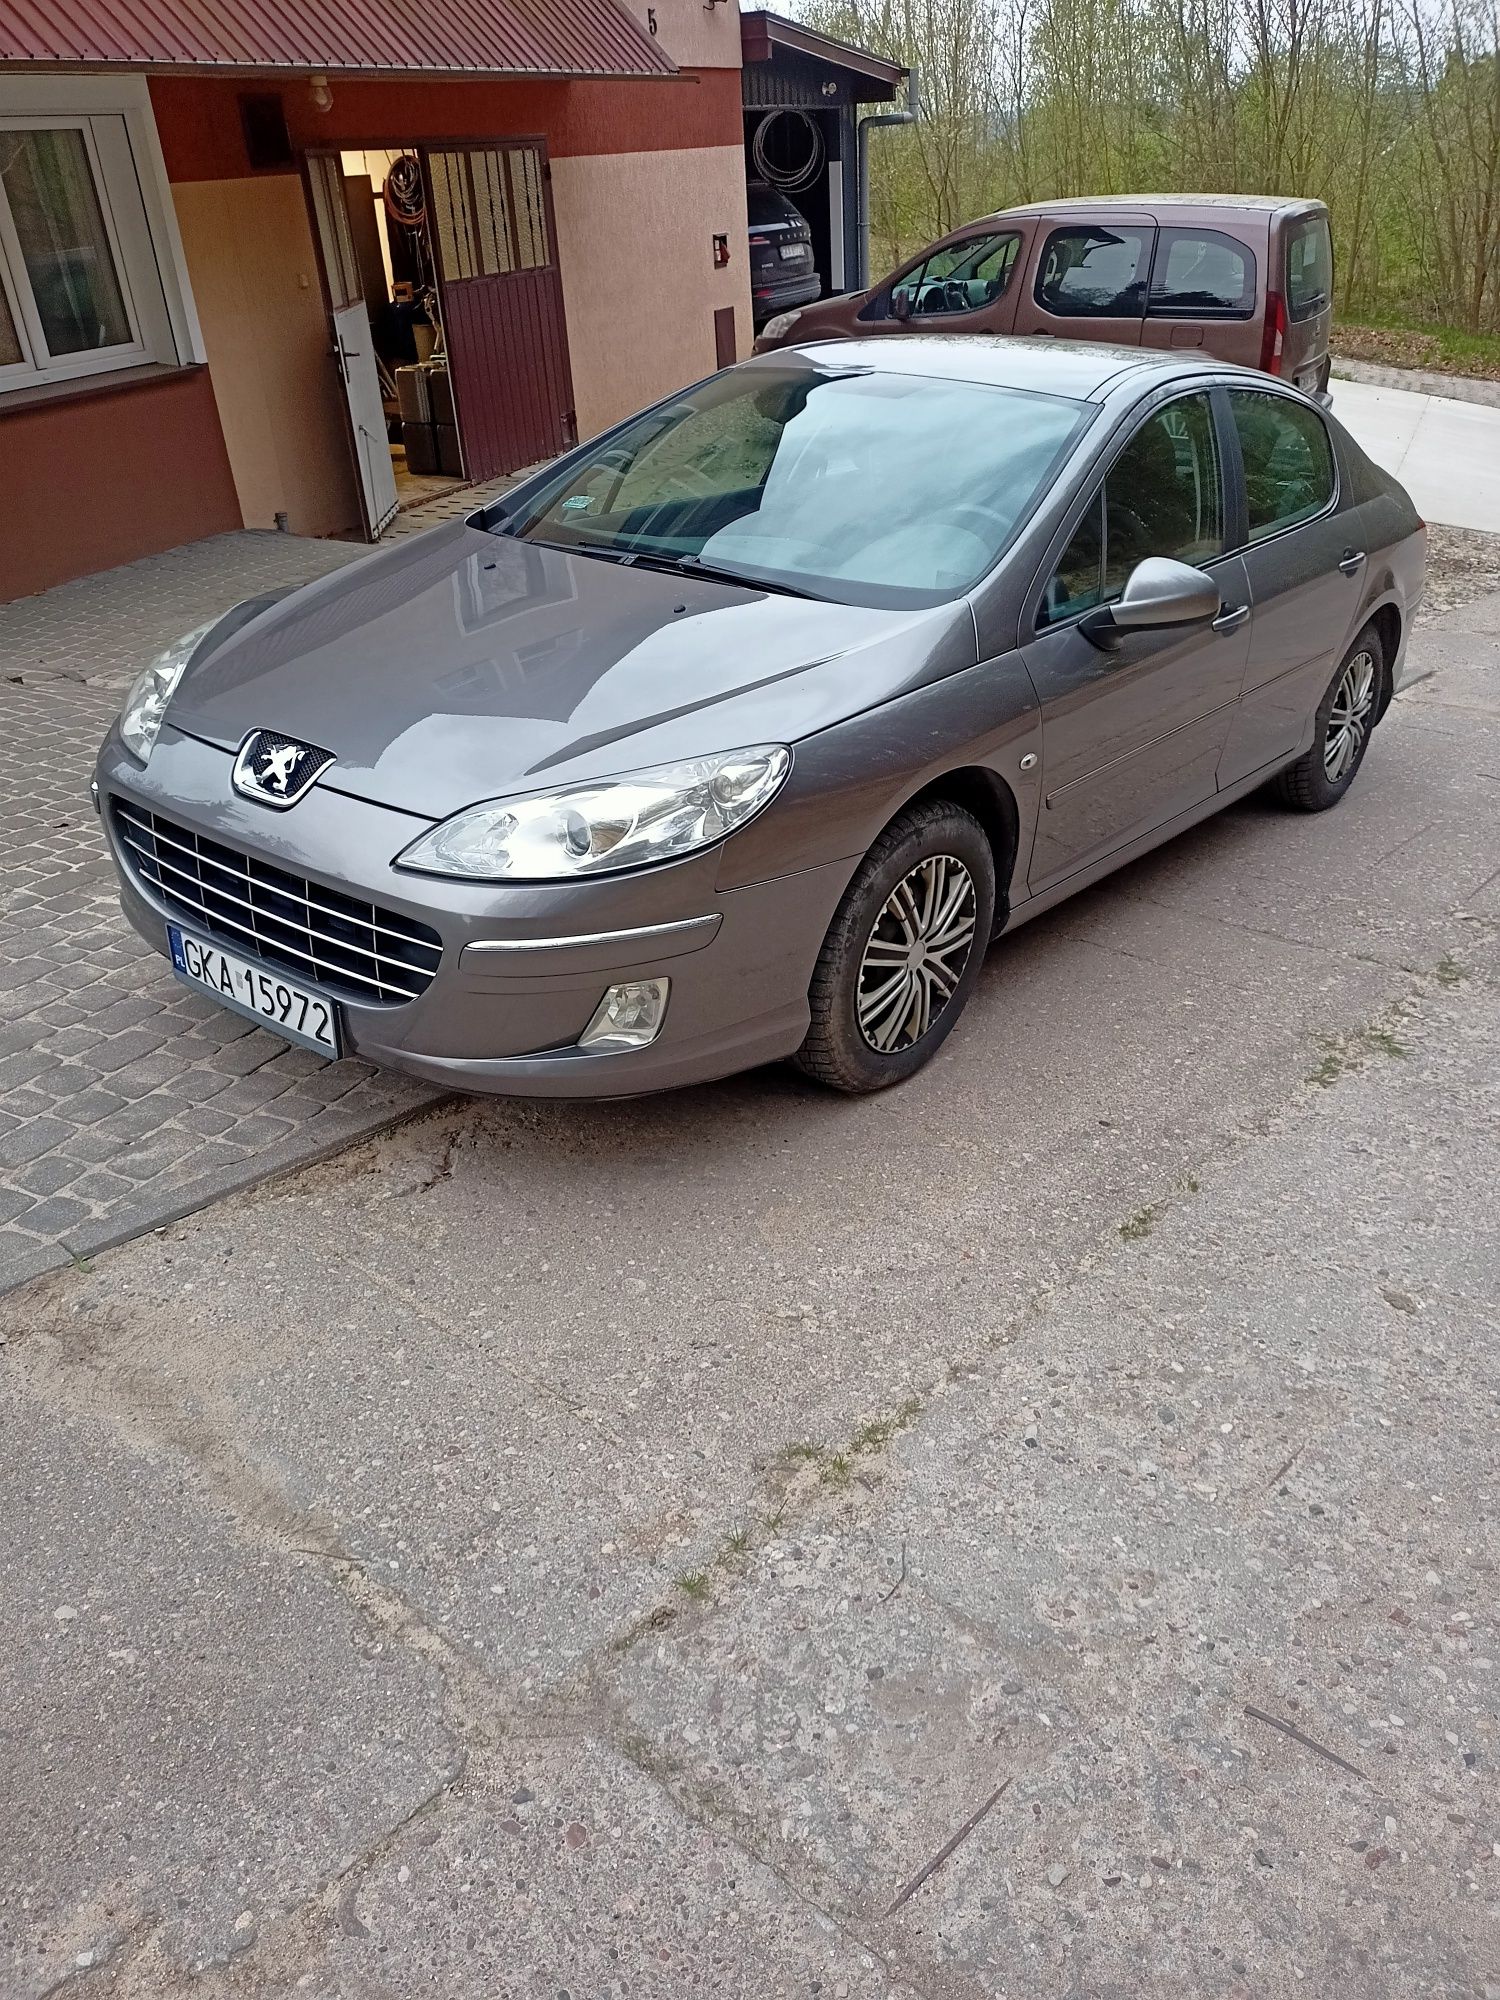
{"x":901,"y":306}
{"x":1158,"y":594}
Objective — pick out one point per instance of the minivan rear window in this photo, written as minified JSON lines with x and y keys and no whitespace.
{"x":1309,"y":267}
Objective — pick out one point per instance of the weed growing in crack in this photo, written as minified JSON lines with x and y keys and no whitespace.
{"x":696,"y":1584}
{"x":1385,"y":1043}
{"x":1449,"y":972}
{"x":1134,"y":1227}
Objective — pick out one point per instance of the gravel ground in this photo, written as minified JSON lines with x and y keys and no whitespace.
{"x":1462,"y":564}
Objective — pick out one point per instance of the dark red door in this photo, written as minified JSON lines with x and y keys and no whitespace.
{"x":490,"y":213}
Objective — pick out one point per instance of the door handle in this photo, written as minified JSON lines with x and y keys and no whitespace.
{"x":1351,"y":560}
{"x":1231,"y":618}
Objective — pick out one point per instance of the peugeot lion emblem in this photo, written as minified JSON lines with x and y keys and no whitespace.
{"x":277,"y":770}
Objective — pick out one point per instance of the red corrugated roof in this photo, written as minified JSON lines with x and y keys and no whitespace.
{"x":466,"y":37}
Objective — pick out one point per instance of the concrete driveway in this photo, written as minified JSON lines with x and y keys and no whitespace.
{"x":1030,"y":1534}
{"x":1445,"y":453}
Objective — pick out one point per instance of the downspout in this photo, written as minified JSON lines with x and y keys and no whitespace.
{"x":862,"y":169}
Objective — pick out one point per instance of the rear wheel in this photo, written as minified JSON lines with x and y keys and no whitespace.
{"x":903,"y":952}
{"x":1341,"y":735}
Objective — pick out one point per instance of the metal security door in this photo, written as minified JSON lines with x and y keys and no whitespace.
{"x":490,"y":213}
{"x":353,"y":344}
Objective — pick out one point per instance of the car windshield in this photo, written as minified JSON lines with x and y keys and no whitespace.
{"x":846,"y":483}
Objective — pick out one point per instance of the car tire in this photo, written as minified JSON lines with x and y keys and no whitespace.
{"x":1341,"y":733}
{"x":917,"y":914}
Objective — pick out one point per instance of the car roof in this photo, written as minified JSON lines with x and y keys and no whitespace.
{"x":1085,"y":370}
{"x":1259,"y":204}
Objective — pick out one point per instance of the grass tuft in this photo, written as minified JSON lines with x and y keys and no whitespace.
{"x":1141,"y":1224}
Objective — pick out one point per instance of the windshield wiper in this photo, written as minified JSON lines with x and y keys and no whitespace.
{"x":696,"y":566}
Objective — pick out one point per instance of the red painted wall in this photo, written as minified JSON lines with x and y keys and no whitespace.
{"x":109,"y":476}
{"x":199,"y":118}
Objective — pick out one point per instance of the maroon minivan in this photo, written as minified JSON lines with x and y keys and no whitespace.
{"x":1248,"y":278}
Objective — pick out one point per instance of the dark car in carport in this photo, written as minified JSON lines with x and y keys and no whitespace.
{"x":783,"y":273}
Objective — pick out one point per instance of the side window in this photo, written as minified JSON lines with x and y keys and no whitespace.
{"x":1288,"y":460}
{"x":1094,"y":273}
{"x":1163,"y":496}
{"x":1201,"y":274}
{"x":959,"y":279}
{"x":1077,"y":584}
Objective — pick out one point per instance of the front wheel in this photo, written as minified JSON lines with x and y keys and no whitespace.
{"x":903,"y":951}
{"x":1341,"y":734}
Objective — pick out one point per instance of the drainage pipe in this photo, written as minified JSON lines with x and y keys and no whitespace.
{"x":862,"y":155}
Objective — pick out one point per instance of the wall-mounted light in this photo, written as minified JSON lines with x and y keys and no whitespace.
{"x":321,"y":93}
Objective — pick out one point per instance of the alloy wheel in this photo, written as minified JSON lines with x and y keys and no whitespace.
{"x":1349,"y":719}
{"x":916,"y":953}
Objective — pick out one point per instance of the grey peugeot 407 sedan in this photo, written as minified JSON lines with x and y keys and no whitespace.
{"x":740,"y":732}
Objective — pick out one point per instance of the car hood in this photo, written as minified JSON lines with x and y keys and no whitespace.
{"x":461,"y":665}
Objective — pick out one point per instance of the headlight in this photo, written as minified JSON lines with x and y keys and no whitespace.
{"x":146,"y":704}
{"x":780,"y":325}
{"x":624,"y":822}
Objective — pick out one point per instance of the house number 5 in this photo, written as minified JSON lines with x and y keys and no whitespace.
{"x":651,"y":19}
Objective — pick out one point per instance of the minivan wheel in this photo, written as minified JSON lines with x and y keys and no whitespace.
{"x":1341,"y":734}
{"x":903,"y":951}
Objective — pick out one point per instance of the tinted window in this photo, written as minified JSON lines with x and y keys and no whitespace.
{"x":1288,"y":460}
{"x":960,"y":279}
{"x":1163,"y":496}
{"x":765,"y":205}
{"x":1309,"y":268}
{"x":1094,"y":272}
{"x":866,"y":487}
{"x":1199,"y":274}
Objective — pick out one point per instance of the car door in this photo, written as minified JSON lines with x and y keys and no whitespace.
{"x":967,"y":287}
{"x":1087,"y":280}
{"x":1132,"y":736}
{"x":1305,"y":562}
{"x":1205,"y":292}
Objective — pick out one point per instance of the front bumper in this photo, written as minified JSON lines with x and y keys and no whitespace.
{"x":523,"y":966}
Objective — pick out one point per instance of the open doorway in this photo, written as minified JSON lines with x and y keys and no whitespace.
{"x":385,"y":198}
{"x":445,"y":298}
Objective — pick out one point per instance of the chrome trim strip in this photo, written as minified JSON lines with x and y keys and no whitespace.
{"x":483,"y":946}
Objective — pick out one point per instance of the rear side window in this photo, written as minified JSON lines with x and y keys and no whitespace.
{"x":962,"y":278}
{"x":1288,"y":460}
{"x":764,"y":206}
{"x":1202,"y":274}
{"x":1094,"y":273}
{"x":1309,"y":268}
{"x":1163,"y":496}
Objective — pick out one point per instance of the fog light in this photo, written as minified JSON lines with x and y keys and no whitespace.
{"x":628,"y":1017}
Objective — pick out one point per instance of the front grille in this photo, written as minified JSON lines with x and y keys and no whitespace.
{"x":353,"y":949}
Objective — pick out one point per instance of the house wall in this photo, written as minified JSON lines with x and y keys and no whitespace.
{"x":635,"y":244}
{"x":645,"y":174}
{"x":254,"y":271}
{"x":115,"y":471}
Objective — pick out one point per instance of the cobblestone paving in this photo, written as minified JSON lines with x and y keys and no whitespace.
{"x":124,"y":1098}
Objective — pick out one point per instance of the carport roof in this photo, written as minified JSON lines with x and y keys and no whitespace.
{"x":762,"y":33}
{"x":541,"y":38}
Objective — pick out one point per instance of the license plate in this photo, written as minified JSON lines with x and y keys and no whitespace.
{"x":265,"y":997}
{"x":791,"y":252}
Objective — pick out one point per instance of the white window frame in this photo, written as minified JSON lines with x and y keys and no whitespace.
{"x":114,"y":116}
